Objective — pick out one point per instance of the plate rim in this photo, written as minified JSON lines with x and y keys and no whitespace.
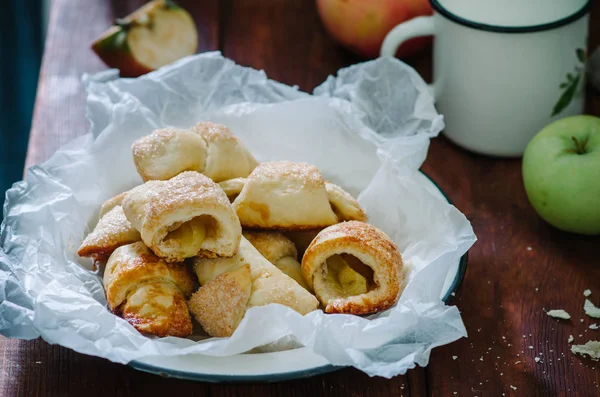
{"x":305,"y":373}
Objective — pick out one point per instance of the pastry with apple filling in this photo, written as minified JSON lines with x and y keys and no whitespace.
{"x":148,"y":292}
{"x":354,"y":268}
{"x":112,"y":231}
{"x":285,"y":195}
{"x":231,"y":286}
{"x":280,"y":251}
{"x":188,"y":215}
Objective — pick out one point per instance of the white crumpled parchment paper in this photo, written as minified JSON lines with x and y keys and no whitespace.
{"x":367,"y":129}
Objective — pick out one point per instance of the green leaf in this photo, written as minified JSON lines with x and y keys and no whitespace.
{"x":570,"y":77}
{"x":580,"y":54}
{"x":563,"y":85}
{"x":566,"y":97}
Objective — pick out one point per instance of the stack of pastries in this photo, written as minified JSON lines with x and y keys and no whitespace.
{"x":248,"y":233}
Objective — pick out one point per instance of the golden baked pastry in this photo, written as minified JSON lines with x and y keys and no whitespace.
{"x":112,"y":231}
{"x":220,"y":304}
{"x":280,"y":251}
{"x":187,"y":215}
{"x":346,"y":208}
{"x":269,"y":285}
{"x":208,"y":148}
{"x":233,"y":187}
{"x":290,"y":196}
{"x":353,"y":268}
{"x":148,"y":292}
{"x":227,"y":157}
{"x":111,"y":203}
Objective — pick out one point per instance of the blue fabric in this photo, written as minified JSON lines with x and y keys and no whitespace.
{"x":20,"y":56}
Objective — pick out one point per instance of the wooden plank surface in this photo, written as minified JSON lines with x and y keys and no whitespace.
{"x":38,"y":369}
{"x":519,"y":267}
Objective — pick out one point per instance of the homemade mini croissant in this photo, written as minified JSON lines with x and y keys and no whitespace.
{"x":148,"y":292}
{"x":112,"y":231}
{"x":280,"y":251}
{"x":290,"y":196}
{"x":268,"y":285}
{"x":112,"y":203}
{"x":187,"y":215}
{"x":353,"y":268}
{"x":208,"y":148}
{"x":232,"y":187}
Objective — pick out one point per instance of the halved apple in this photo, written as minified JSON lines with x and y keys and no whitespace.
{"x":155,"y":35}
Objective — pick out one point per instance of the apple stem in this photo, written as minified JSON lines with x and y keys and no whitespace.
{"x":170,"y":4}
{"x":579,"y":146}
{"x":123,"y":23}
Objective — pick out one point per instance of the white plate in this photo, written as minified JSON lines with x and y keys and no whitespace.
{"x":271,"y":367}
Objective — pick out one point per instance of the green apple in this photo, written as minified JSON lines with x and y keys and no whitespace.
{"x":155,"y":35}
{"x":561,"y":173}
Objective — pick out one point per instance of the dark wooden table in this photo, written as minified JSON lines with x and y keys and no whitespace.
{"x":519,"y":267}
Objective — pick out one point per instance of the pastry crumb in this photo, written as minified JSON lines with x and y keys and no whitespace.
{"x":571,"y":339}
{"x":587,"y":293}
{"x":559,"y":313}
{"x":594,"y":326}
{"x":529,"y":248}
{"x":537,"y":359}
{"x":590,"y":309}
{"x":454,"y":357}
{"x":591,"y":349}
{"x":512,"y":387}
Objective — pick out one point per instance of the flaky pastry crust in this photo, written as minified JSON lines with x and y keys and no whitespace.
{"x":269,"y":284}
{"x":191,"y":201}
{"x":373,"y":248}
{"x":280,"y":251}
{"x":220,"y":304}
{"x":208,"y":148}
{"x":284,"y":195}
{"x":227,"y":157}
{"x":149,"y":292}
{"x":112,"y":231}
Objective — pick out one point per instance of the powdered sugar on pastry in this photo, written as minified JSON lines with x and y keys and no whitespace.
{"x":187,"y":215}
{"x":354,"y":268}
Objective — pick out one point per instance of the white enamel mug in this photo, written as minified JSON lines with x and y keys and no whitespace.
{"x":503,"y":69}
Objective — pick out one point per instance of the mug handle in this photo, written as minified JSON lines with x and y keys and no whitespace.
{"x":416,"y":27}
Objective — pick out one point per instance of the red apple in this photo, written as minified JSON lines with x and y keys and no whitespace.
{"x":361,"y":25}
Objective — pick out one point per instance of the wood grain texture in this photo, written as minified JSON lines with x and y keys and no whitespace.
{"x":34,"y":368}
{"x":519,"y":268}
{"x":59,"y":113}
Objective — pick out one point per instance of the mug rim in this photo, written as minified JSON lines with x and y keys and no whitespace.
{"x":510,"y":29}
